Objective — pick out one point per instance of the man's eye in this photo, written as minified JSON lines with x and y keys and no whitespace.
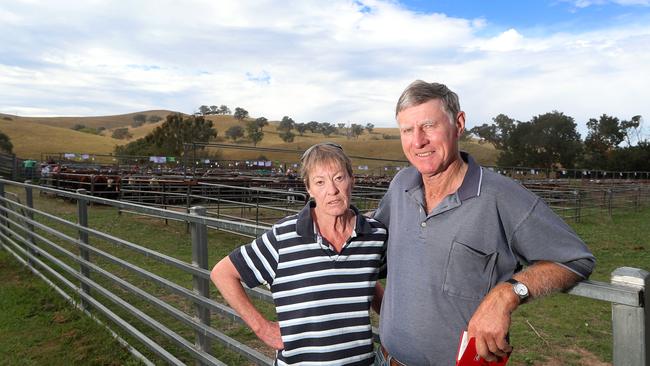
{"x":427,"y":126}
{"x":406,"y":131}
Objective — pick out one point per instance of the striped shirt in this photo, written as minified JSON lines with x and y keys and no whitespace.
{"x":322,"y":298}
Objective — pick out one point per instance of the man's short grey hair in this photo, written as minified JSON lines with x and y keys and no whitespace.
{"x":419,"y":92}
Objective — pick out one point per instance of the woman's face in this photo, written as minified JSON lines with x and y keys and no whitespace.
{"x":331,"y":187}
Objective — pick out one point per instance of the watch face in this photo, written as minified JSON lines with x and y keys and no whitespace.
{"x":521,"y":289}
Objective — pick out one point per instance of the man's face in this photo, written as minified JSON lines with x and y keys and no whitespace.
{"x":429,"y":139}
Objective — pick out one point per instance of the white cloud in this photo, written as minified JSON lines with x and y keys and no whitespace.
{"x":334,"y":61}
{"x":588,"y":3}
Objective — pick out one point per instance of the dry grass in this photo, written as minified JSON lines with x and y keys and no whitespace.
{"x":109,"y":122}
{"x":31,"y":139}
{"x":32,"y":136}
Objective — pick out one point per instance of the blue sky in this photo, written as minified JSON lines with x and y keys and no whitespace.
{"x":334,"y":61}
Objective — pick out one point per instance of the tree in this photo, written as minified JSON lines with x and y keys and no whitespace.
{"x":240,"y":114}
{"x":78,"y":127}
{"x":254,"y":132}
{"x":235,"y":132}
{"x":214,"y":109}
{"x":498,"y":133}
{"x":313,"y":126}
{"x":224,"y":110}
{"x":301,"y":128}
{"x":356,"y":130}
{"x":632,"y":129}
{"x":5,"y":144}
{"x":139,"y":119}
{"x":204,"y":109}
{"x":261,"y":123}
{"x":370,"y":127}
{"x":287,"y":136}
{"x":546,"y":141}
{"x":121,"y":134}
{"x":169,"y":138}
{"x":327,"y":129}
{"x":287,"y":124}
{"x":154,"y":118}
{"x":604,"y":135}
{"x":176,"y":131}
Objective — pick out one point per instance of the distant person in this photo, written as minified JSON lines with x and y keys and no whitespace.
{"x":459,"y":237}
{"x":321,"y":266}
{"x":28,"y":166}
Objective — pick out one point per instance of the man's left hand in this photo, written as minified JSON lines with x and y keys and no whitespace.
{"x":491,"y":322}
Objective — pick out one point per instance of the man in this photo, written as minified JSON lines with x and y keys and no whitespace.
{"x":458,"y":237}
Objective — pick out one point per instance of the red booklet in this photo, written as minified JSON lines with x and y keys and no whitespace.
{"x":467,"y":355}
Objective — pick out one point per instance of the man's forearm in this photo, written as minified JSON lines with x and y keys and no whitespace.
{"x":543,"y":278}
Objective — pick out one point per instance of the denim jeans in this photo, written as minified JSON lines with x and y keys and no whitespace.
{"x":379,"y":358}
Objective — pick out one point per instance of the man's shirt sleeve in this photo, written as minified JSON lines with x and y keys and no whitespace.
{"x":257,"y":262}
{"x":543,"y":235}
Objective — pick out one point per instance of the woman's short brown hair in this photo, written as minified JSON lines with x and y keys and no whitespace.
{"x":323,"y":153}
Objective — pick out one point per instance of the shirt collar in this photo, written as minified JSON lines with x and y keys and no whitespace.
{"x":305,"y":223}
{"x":471,"y":186}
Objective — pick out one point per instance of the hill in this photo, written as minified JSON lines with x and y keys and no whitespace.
{"x":30,"y":139}
{"x":108,"y":122}
{"x":32,"y":136}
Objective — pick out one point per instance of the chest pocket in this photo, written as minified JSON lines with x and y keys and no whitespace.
{"x":469,"y":272}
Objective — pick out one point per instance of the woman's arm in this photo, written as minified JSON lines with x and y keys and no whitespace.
{"x":379,"y":295}
{"x":227,"y":279}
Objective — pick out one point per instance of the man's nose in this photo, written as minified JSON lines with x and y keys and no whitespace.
{"x":419,"y":138}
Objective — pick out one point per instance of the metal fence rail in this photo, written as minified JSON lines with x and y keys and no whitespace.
{"x":70,"y":256}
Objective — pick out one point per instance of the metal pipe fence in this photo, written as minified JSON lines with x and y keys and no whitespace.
{"x":112,"y":278}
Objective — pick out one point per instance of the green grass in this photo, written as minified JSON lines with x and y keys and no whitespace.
{"x":560,"y":329}
{"x":571,"y":330}
{"x":38,"y":327}
{"x":171,"y":239}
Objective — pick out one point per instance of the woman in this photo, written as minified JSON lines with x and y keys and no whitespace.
{"x":321,"y":266}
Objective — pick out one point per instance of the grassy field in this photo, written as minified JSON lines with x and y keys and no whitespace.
{"x":39,"y":327}
{"x":559,"y":330}
{"x":32,"y":136}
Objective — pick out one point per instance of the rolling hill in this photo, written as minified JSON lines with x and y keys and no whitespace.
{"x":32,"y":136}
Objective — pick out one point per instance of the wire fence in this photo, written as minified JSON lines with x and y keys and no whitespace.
{"x":161,"y":302}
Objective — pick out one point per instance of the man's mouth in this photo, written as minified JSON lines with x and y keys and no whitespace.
{"x":424,"y":154}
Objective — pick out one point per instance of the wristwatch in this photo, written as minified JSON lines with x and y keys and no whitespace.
{"x":520,"y":290}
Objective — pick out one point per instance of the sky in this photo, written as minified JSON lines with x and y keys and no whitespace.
{"x":337,"y":61}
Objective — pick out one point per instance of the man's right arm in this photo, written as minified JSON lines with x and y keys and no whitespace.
{"x":228,"y":280}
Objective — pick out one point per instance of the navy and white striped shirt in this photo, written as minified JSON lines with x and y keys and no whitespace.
{"x":322,"y":297}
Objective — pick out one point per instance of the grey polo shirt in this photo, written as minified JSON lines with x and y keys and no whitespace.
{"x":440,"y":265}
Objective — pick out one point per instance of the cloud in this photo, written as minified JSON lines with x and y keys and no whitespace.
{"x":587,"y":3}
{"x":334,"y":61}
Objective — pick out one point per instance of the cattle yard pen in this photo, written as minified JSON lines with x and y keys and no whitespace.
{"x":264,"y":200}
{"x":171,"y":318}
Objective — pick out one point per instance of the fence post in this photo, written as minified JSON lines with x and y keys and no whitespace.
{"x":578,"y":202}
{"x":610,"y":194}
{"x":82,"y":216}
{"x":630,"y":324}
{"x":201,"y":286}
{"x":29,"y":201}
{"x":3,"y":214}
